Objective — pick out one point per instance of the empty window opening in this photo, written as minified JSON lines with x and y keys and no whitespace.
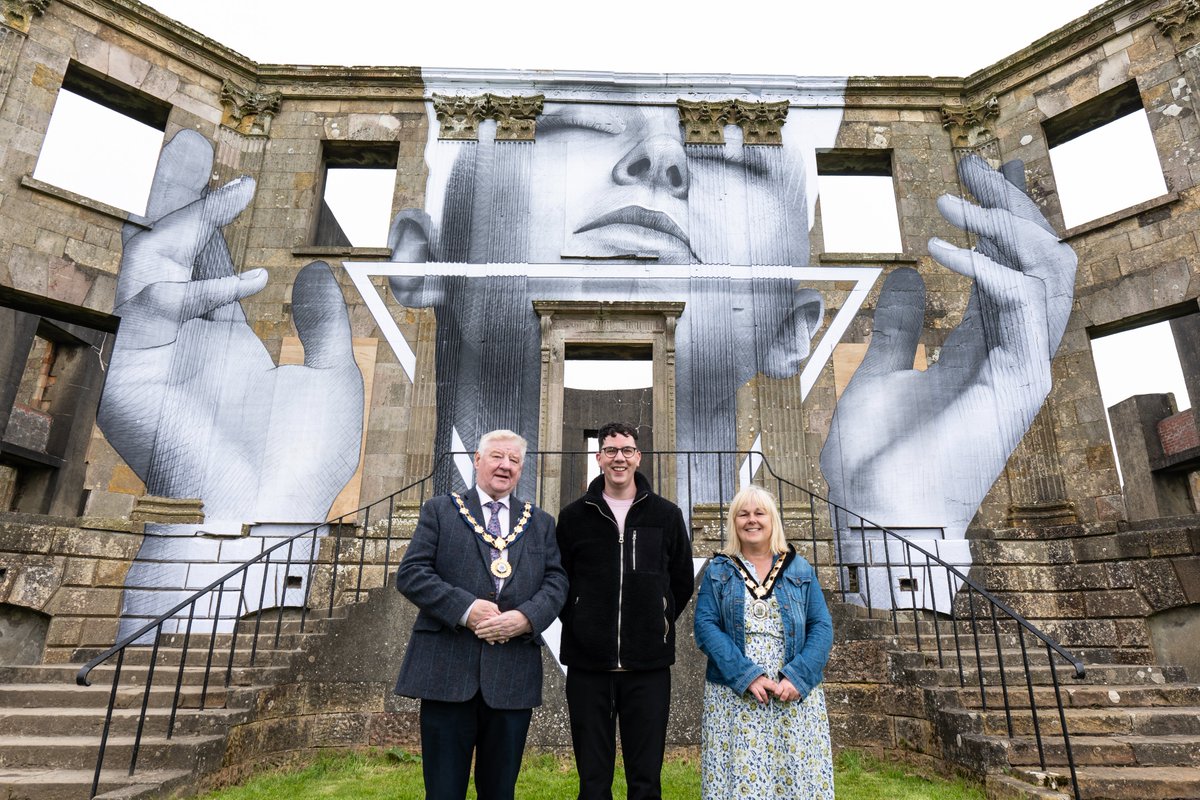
{"x":103,"y":140}
{"x":1103,"y":156}
{"x":603,"y":383}
{"x":908,"y":584}
{"x":858,"y":201}
{"x":1138,"y":360}
{"x":356,"y":202}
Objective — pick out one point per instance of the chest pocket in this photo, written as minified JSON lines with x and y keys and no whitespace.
{"x":645,"y":549}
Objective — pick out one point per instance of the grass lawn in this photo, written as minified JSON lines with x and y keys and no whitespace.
{"x":397,"y":774}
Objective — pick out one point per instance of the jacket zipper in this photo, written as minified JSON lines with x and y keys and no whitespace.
{"x":633,"y":547}
{"x":621,"y":571}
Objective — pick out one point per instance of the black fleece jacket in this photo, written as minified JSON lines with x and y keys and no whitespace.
{"x":625,"y":592}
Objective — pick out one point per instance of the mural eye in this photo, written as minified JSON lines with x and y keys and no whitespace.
{"x":581,"y":120}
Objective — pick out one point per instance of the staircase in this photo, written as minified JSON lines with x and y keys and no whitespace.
{"x":46,"y":719}
{"x":986,"y":691}
{"x":1134,"y":729}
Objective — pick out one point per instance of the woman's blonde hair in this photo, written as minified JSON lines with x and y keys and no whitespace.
{"x":754,"y":494}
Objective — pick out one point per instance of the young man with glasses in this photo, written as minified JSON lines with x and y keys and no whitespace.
{"x":628,"y":558}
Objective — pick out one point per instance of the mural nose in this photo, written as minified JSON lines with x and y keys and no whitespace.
{"x":658,"y":161}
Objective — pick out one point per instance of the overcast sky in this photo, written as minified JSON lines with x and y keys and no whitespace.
{"x":865,"y":37}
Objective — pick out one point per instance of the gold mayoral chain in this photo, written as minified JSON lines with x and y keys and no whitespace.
{"x":500,"y":567}
{"x":761,"y":591}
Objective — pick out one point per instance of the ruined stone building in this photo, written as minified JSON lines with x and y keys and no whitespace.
{"x":222,"y":362}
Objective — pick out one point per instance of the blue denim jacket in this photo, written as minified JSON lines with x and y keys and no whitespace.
{"x":720,"y":626}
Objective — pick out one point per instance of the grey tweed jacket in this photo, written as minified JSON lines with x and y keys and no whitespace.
{"x":445,"y":569}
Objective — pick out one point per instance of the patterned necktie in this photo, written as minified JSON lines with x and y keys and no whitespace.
{"x":493,"y":528}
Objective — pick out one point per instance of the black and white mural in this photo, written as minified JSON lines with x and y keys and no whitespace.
{"x":606,"y":203}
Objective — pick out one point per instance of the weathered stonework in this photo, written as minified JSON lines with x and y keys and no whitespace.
{"x":704,"y":121}
{"x":246,"y":111}
{"x":19,"y":14}
{"x":1052,"y":536}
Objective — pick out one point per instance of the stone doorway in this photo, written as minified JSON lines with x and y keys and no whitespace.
{"x":604,"y":331}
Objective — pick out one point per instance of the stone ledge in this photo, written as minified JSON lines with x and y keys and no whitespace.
{"x":869,"y":258}
{"x":50,"y":190}
{"x":1119,"y":216}
{"x":346,"y":252}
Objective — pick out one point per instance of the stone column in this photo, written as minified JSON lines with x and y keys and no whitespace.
{"x":15,"y":18}
{"x":241,"y":147}
{"x":1038,"y":491}
{"x":1180,"y":23}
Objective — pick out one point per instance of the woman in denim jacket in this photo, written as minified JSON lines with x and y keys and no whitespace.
{"x":762,"y":621}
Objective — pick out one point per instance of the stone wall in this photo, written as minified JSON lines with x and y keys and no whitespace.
{"x":272,"y":123}
{"x":73,"y":574}
{"x":1094,"y":588}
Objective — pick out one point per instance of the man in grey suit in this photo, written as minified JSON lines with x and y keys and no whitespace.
{"x":484,"y":570}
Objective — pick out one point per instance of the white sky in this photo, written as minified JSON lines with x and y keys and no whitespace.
{"x":867,"y":37}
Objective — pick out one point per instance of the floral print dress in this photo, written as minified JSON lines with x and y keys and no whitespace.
{"x":777,"y":750}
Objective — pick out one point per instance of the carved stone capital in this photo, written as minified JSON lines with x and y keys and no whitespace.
{"x":246,"y":111}
{"x":1181,"y":23}
{"x":761,"y":123}
{"x":19,"y":14}
{"x":964,"y":122}
{"x":704,"y":121}
{"x":516,"y":117}
{"x":459,"y":116}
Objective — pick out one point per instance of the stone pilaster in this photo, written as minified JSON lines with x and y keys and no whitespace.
{"x":761,"y":123}
{"x":459,"y":117}
{"x":1039,"y":493}
{"x":246,"y":111}
{"x":16,"y":16}
{"x":1181,"y":24}
{"x":968,"y":124}
{"x":241,"y":144}
{"x":704,"y":121}
{"x":19,"y":14}
{"x":516,"y":117}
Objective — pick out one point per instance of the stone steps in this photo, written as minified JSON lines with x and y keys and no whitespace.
{"x":76,"y":784}
{"x":1079,"y":696}
{"x":1169,"y":750}
{"x":46,"y":718}
{"x":1084,"y":721}
{"x":1142,"y":783}
{"x":133,"y":676}
{"x":67,"y":721}
{"x":79,"y":751}
{"x":42,"y":695}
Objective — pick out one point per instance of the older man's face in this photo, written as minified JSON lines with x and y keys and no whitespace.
{"x":614,"y":180}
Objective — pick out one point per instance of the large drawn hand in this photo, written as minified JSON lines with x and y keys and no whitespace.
{"x":910,"y":449}
{"x":193,"y":401}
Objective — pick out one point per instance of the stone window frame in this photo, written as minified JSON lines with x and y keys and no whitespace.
{"x":325,"y":236}
{"x":120,"y":99}
{"x":1093,"y":115}
{"x":859,"y":162}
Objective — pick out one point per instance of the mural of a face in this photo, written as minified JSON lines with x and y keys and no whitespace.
{"x":606,"y":181}
{"x":605,"y":184}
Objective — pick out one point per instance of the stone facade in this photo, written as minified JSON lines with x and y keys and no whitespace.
{"x":1086,"y":578}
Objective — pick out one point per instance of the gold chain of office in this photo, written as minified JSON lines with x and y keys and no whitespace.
{"x":497,"y":542}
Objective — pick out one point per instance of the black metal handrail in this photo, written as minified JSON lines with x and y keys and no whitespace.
{"x":678,"y":474}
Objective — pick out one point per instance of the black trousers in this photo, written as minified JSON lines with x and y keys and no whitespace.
{"x":640,"y":702}
{"x":450,"y":732}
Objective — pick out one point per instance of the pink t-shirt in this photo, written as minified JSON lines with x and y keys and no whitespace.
{"x":620,"y":509}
